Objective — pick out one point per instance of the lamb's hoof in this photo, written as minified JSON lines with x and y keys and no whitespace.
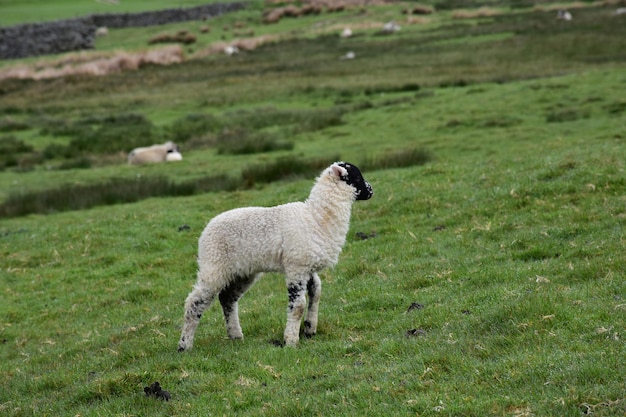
{"x":309,"y":331}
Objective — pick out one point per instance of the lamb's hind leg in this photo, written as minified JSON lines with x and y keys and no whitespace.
{"x":198,"y":300}
{"x":314,"y":291}
{"x":229,"y":298}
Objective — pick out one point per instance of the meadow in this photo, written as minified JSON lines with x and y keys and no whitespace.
{"x":487,"y":275}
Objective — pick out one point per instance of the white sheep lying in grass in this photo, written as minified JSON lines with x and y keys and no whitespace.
{"x":154,"y":153}
{"x":298,"y":239}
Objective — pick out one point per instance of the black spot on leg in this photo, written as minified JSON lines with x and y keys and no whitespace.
{"x":232,"y":293}
{"x":198,"y":307}
{"x":294,"y":291}
{"x":311,"y":287}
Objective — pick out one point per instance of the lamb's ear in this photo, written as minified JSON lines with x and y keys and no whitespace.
{"x":339,"y":171}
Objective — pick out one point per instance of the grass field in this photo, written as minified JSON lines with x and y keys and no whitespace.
{"x":493,"y":278}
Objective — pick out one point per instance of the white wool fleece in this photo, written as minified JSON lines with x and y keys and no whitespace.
{"x":291,"y":238}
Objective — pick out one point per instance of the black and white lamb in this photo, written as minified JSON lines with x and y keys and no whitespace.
{"x":165,"y":152}
{"x":298,"y":239}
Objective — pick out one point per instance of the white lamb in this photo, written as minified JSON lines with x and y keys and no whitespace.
{"x":298,"y":239}
{"x":153,"y":154}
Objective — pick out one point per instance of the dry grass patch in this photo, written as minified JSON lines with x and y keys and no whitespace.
{"x":93,"y":63}
{"x":472,"y":14}
{"x":182,"y":36}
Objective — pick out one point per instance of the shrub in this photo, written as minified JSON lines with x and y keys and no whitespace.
{"x":115,"y":133}
{"x":10,"y":144}
{"x":108,"y":134}
{"x":397,"y":159}
{"x":392,"y":89}
{"x":55,"y":151}
{"x":12,"y":125}
{"x":76,"y":163}
{"x":10,"y":148}
{"x":284,"y":168}
{"x":240,"y":141}
{"x":63,"y":128}
{"x":566,"y":115}
{"x":182,"y":36}
{"x":194,"y":125}
{"x":113,"y":191}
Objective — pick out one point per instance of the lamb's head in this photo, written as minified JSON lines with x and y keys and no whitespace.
{"x":170,"y":146}
{"x":351,"y":175}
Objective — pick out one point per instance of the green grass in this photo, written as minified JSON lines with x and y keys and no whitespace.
{"x":506,"y":223}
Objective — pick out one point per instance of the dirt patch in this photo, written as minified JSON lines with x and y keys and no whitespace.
{"x":307,"y":7}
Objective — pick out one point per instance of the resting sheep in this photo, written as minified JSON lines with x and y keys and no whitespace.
{"x":298,"y":239}
{"x":153,"y":154}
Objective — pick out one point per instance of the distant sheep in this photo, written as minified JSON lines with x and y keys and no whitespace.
{"x":297,"y":239}
{"x":102,"y":31}
{"x":154,"y":154}
{"x":349,"y":55}
{"x":564,"y":15}
{"x":231,"y":50}
{"x":391,"y":27}
{"x":346,"y":33}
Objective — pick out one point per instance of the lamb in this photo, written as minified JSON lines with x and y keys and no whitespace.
{"x":298,"y":239}
{"x":152,"y":154}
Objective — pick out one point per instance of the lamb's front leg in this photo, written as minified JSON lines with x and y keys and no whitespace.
{"x":314,"y":291}
{"x":295,"y":310}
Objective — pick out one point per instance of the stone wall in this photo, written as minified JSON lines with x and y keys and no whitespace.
{"x":77,"y":34}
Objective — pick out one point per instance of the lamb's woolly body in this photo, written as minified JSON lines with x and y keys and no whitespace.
{"x":250,"y":240}
{"x":298,"y":239}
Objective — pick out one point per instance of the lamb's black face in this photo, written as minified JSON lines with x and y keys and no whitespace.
{"x":355,"y":179}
